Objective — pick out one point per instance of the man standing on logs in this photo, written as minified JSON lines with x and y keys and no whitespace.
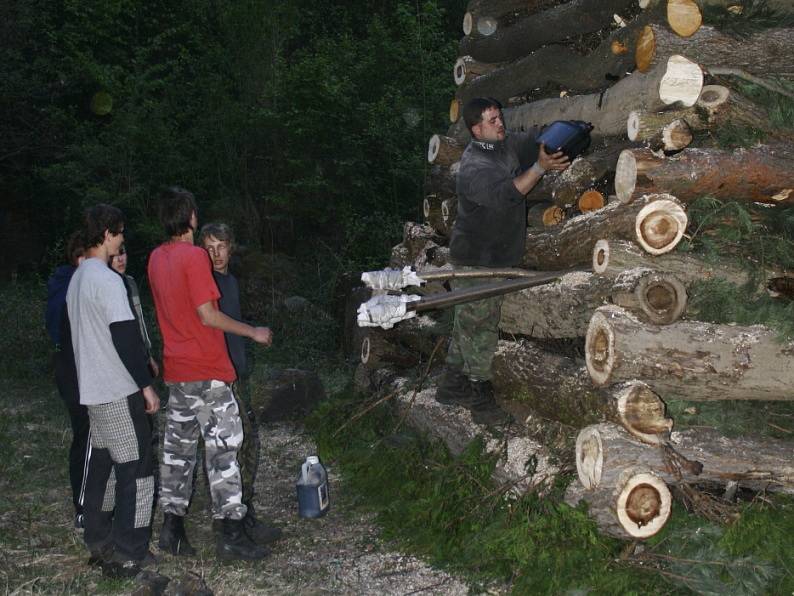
{"x":490,"y":230}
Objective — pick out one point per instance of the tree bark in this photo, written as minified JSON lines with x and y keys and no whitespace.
{"x":569,"y":20}
{"x":523,"y":464}
{"x":421,"y":247}
{"x":442,"y":180}
{"x":557,"y":68}
{"x":716,"y":107}
{"x":678,"y":80}
{"x":631,"y":503}
{"x":485,"y":17}
{"x":763,"y":53}
{"x":405,"y":345}
{"x":443,"y":150}
{"x":558,"y":387}
{"x":564,"y":309}
{"x":763,"y":174}
{"x":613,"y":257}
{"x":657,"y":224}
{"x":689,"y":359}
{"x":695,"y":456}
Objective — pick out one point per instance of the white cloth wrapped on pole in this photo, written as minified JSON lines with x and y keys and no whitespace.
{"x":384,"y":310}
{"x":391,"y":279}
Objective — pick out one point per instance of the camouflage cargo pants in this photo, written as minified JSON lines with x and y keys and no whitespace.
{"x":475,"y":332}
{"x":210,"y":409}
{"x":248,"y":456}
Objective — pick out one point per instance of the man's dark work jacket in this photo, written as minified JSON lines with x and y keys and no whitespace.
{"x":490,"y":226}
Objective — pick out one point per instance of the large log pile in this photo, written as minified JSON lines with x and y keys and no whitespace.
{"x":601,"y":350}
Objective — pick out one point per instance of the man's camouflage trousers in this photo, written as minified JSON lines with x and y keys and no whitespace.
{"x":475,"y":332}
{"x":248,"y":456}
{"x":208,"y":408}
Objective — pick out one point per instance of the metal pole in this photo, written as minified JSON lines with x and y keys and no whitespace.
{"x":486,"y":291}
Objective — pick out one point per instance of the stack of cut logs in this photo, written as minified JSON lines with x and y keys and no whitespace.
{"x":637,"y":72}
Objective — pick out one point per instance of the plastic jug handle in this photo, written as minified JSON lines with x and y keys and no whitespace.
{"x":305,"y":472}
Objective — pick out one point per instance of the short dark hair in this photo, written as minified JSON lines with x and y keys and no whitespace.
{"x":99,"y":219}
{"x":75,"y":247}
{"x":177,"y":205}
{"x":472,"y":111}
{"x":221,"y":231}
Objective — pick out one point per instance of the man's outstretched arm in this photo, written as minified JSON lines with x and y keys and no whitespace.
{"x":211,"y":317}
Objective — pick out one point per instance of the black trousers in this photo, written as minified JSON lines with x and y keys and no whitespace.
{"x":66,"y":381}
{"x":119,"y":489}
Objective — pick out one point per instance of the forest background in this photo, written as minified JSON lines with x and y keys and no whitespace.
{"x":288,"y":121}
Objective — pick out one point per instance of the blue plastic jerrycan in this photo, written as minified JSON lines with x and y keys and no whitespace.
{"x":312,"y":487}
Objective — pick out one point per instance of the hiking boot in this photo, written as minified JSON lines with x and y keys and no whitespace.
{"x":454,"y":388}
{"x":121,"y":567}
{"x":258,"y":531}
{"x":234,"y":544}
{"x":173,"y":538}
{"x":483,"y":407}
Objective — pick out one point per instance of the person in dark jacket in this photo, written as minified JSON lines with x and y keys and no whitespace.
{"x":497,"y":170}
{"x":218,"y":240}
{"x":59,"y":330}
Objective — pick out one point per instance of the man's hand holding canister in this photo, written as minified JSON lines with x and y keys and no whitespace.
{"x":546,"y":161}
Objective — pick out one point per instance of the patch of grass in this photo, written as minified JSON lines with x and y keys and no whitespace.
{"x":736,"y":418}
{"x":25,"y":348}
{"x":448,"y":510}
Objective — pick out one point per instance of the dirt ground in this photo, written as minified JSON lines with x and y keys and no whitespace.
{"x":41,"y":552}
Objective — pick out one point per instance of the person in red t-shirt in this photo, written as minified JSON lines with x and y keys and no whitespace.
{"x":199,"y":373}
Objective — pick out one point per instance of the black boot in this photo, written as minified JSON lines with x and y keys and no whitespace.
{"x":234,"y":544}
{"x":173,"y":538}
{"x":454,"y":388}
{"x":484,"y":409}
{"x":257,"y":530}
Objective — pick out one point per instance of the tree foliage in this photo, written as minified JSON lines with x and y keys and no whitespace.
{"x":276,"y":114}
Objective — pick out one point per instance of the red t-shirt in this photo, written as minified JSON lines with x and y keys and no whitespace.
{"x":180,"y":276}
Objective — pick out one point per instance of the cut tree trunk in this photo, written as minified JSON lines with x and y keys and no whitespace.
{"x":763,"y":174}
{"x":404,"y":345}
{"x":421,"y":247}
{"x":449,"y":211}
{"x":591,"y":200}
{"x":442,"y":180}
{"x":523,"y":464}
{"x":467,"y":69}
{"x":558,"y":387}
{"x":689,"y":359}
{"x":766,"y":52}
{"x":431,"y":209}
{"x":716,"y":107}
{"x":657,"y":225}
{"x":544,"y":214}
{"x":564,"y":309}
{"x":695,"y":456}
{"x":443,"y":150}
{"x":566,"y":21}
{"x":485,"y":17}
{"x":586,"y":171}
{"x":684,"y":17}
{"x":631,"y":503}
{"x":555,"y":68}
{"x":677,"y":81}
{"x":613,"y":257}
